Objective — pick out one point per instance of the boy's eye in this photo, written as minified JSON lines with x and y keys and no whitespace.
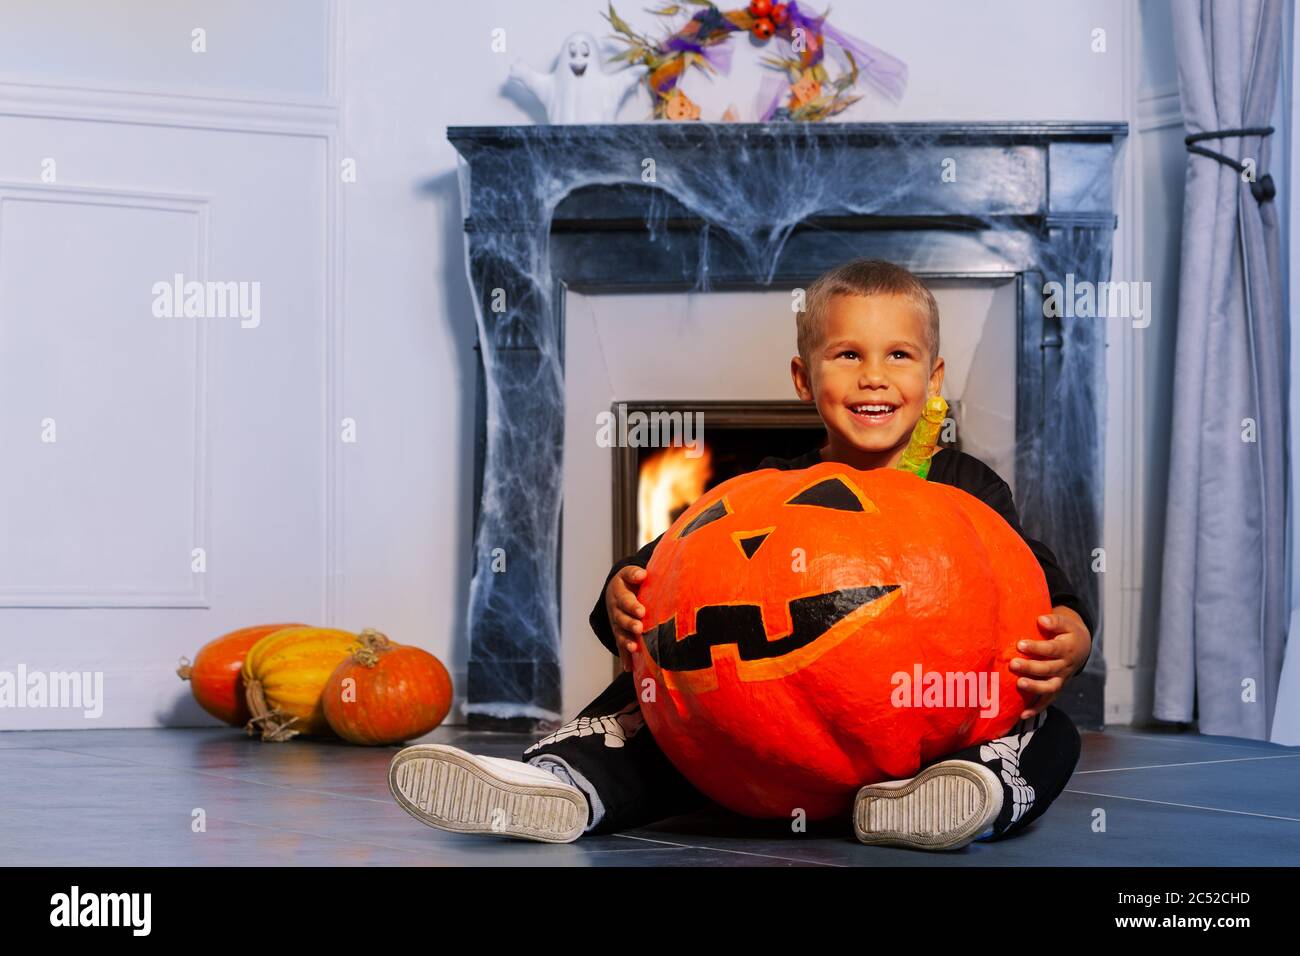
{"x":851,"y":353}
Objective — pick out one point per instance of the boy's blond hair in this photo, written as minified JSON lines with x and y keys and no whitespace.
{"x":863,"y":277}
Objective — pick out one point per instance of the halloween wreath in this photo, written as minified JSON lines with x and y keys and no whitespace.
{"x":810,"y":94}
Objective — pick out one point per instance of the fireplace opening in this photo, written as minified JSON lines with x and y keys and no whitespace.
{"x":654,"y":485}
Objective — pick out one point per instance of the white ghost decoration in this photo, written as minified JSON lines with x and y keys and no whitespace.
{"x":578,"y":90}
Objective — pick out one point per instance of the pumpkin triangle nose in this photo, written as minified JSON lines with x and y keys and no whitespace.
{"x":751,"y":543}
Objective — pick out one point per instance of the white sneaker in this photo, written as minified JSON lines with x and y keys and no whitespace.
{"x":452,"y":789}
{"x":944,"y":807}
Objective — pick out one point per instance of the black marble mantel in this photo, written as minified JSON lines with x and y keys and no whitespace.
{"x":678,"y":206}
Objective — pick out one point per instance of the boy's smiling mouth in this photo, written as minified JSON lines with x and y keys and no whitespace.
{"x":873,"y":413}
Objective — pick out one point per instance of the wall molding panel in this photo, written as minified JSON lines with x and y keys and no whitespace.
{"x":145,"y":595}
{"x":316,"y":119}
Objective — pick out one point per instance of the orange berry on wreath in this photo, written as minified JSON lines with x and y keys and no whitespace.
{"x":763,"y":29}
{"x":760,"y":8}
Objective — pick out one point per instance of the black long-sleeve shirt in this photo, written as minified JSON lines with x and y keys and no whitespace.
{"x":949,"y":467}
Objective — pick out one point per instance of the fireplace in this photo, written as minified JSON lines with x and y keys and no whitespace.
{"x":654,"y":484}
{"x":557,"y":212}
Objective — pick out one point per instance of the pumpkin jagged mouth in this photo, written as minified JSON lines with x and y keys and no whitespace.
{"x":741,"y":626}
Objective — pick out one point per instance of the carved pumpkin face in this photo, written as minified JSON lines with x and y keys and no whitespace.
{"x":679,"y":106}
{"x":805,"y":90}
{"x":781,"y":608}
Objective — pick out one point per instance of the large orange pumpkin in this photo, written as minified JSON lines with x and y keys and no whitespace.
{"x":799,"y":622}
{"x":386,"y":692}
{"x":284,"y":674}
{"x":214,"y":675}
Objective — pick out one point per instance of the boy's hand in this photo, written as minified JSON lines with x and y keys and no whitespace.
{"x":1066,"y":646}
{"x":625,"y":611}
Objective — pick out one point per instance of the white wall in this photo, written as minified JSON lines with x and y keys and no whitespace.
{"x":126,"y":157}
{"x":252,"y":49}
{"x":380,"y":85}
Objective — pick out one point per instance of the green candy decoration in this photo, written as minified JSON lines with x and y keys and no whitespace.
{"x":925,"y":438}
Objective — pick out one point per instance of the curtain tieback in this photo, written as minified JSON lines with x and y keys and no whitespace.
{"x":1262,"y":189}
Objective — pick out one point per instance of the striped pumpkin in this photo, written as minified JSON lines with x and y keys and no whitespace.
{"x":285,"y":673}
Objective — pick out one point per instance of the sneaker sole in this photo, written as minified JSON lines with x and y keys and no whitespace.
{"x":447,"y":788}
{"x":943,"y":807}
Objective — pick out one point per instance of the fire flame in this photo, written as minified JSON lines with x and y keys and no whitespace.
{"x":669,"y":483}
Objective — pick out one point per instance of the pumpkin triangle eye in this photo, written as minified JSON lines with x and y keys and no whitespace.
{"x":712,"y":513}
{"x":751,"y":543}
{"x":831,"y":493}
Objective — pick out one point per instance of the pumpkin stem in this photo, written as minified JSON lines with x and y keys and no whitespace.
{"x":185,"y":670}
{"x":272,"y":723}
{"x":372,"y":645}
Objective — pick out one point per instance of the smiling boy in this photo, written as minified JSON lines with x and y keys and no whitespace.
{"x":869,"y":368}
{"x":868,"y":357}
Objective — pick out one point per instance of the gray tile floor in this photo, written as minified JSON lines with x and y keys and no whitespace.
{"x":129,"y":797}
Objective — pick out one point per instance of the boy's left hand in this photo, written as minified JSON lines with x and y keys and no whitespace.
{"x":1065,"y":646}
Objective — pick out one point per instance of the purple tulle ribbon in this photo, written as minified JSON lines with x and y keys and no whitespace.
{"x":886,"y":73}
{"x":717,"y":54}
{"x":811,"y":26}
{"x":771,"y":89}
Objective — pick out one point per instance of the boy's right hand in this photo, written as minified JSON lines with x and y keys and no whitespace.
{"x":625,"y":611}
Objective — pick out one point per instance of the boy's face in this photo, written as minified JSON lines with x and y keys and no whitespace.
{"x":872,"y":353}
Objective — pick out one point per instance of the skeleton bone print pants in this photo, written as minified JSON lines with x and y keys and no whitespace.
{"x":608,"y":751}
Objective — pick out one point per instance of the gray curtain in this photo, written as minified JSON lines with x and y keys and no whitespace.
{"x":1223,"y":590}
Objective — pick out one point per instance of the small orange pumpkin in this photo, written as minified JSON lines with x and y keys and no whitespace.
{"x":214,"y":675}
{"x":386,"y":692}
{"x":678,"y":106}
{"x":285,"y":673}
{"x":805,"y":90}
